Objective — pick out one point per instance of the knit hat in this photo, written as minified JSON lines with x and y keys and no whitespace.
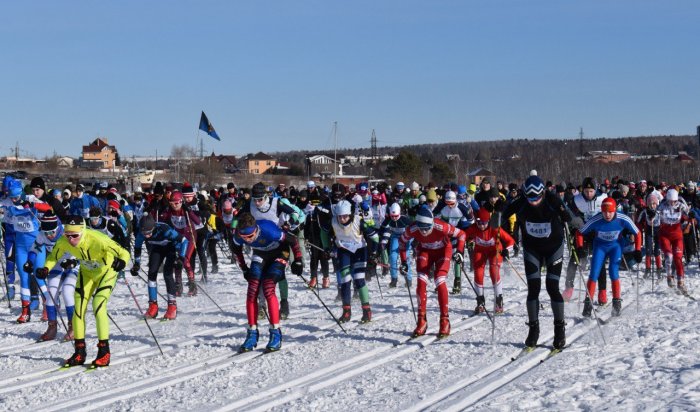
{"x":114,"y":204}
{"x":75,"y":224}
{"x":431,"y":196}
{"x":424,"y":218}
{"x":533,"y":187}
{"x":187,"y":189}
{"x":49,"y":221}
{"x":483,"y":215}
{"x":230,"y":185}
{"x":38,"y":182}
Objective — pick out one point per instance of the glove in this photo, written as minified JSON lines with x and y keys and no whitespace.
{"x":326,"y":254}
{"x":638,"y":255}
{"x":247,"y":275}
{"x":651,"y":213}
{"x":118,"y":265}
{"x":505,"y":253}
{"x":69,"y":264}
{"x":42,"y":273}
{"x":285,"y":226}
{"x":373,"y":257}
{"x":28,"y":267}
{"x":135,"y":269}
{"x":403,"y":268}
{"x":297,"y":267}
{"x":458,"y":258}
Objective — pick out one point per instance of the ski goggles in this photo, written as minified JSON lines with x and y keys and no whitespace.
{"x":72,"y":235}
{"x":258,"y":199}
{"x":50,"y":233}
{"x":533,"y":199}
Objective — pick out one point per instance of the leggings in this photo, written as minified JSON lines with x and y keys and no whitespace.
{"x":100,"y":285}
{"x":535,"y":259}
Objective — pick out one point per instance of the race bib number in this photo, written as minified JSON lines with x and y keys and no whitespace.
{"x":484,"y":243}
{"x":23,"y":224}
{"x":609,"y":236}
{"x":178,"y":222}
{"x":350,"y":245}
{"x":538,"y":230}
{"x":90,"y":264}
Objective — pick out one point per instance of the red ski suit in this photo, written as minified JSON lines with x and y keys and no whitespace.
{"x":433,"y":249}
{"x":487,"y":249}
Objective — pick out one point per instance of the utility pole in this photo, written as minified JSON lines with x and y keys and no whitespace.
{"x":335,"y":152}
{"x":580,"y":141}
{"x":373,"y":142}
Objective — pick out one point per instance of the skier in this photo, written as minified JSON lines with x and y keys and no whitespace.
{"x":648,"y":221}
{"x":584,"y":206}
{"x":608,"y":228}
{"x":391,"y":230}
{"x":63,"y":277}
{"x":490,"y":245}
{"x":353,"y":237}
{"x":541,"y":216}
{"x":433,"y":239}
{"x":183,"y":221}
{"x":165,"y":244}
{"x":672,"y":212}
{"x":270,"y":246}
{"x":459,"y":215}
{"x":100,"y":260}
{"x":8,"y":237}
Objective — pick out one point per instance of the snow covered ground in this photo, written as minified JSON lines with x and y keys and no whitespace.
{"x":650,"y":359}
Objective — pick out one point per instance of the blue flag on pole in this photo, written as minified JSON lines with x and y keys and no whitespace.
{"x":205,"y":125}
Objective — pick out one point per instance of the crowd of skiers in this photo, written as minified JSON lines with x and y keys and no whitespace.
{"x":69,"y":246}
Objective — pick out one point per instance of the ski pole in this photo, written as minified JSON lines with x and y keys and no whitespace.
{"x":590,"y":298}
{"x":210,"y":298}
{"x":142,"y":314}
{"x":379,"y":285}
{"x":410,"y":295}
{"x":493,"y":324}
{"x":637,"y":286}
{"x":115,"y":323}
{"x":313,"y":290}
{"x":48,"y":292}
{"x":4,"y":274}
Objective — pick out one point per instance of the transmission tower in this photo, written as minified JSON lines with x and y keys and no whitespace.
{"x":373,"y":141}
{"x":580,"y":141}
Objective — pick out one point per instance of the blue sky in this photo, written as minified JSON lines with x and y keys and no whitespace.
{"x":275,"y":75}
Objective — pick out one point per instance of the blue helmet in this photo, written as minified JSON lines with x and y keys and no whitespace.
{"x":533,"y":188}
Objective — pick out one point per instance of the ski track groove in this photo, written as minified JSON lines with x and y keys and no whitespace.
{"x":472,"y":389}
{"x":191,"y":370}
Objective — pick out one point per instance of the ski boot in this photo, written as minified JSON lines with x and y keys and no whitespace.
{"x":284,"y":309}
{"x":214,"y":269}
{"x":171,"y":312}
{"x":192,"y":288}
{"x":347,"y":313}
{"x":393,"y":282}
{"x":560,"y":334}
{"x":480,"y":305}
{"x":50,"y":333}
{"x":444,"y":327}
{"x":498,"y":309}
{"x":103,"y":355}
{"x":457,"y":286}
{"x":79,"y":355}
{"x":602,"y":297}
{"x":69,"y":334}
{"x":669,"y":281}
{"x":178,"y":289}
{"x":251,"y":341}
{"x":366,"y":314}
{"x":326,"y":282}
{"x":647,"y":273}
{"x":421,"y":326}
{"x":567,"y":294}
{"x":681,"y":286}
{"x":617,"y":306}
{"x":533,"y":334}
{"x":275,"y":342}
{"x":152,"y":311}
{"x":26,"y":314}
{"x":313,"y":282}
{"x":587,"y":308}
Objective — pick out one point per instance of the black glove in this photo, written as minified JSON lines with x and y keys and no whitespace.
{"x":297,"y":267}
{"x":505,"y":253}
{"x":118,"y":265}
{"x":247,"y":275}
{"x":42,"y":273}
{"x":28,"y":267}
{"x":135,"y":269}
{"x":651,"y":213}
{"x":638,"y":255}
{"x":404,"y":268}
{"x":458,"y":258}
{"x":326,"y":255}
{"x":69,"y":264}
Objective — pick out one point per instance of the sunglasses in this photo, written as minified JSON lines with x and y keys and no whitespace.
{"x":258,"y":199}
{"x":534,"y":199}
{"x":50,"y":233}
{"x":72,"y":235}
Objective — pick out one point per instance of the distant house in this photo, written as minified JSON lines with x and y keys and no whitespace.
{"x":229,"y":163}
{"x":453,"y":156}
{"x":685,"y":157}
{"x":259,"y":163}
{"x":99,"y":155}
{"x":321,"y":165}
{"x":477,"y":175}
{"x":607,"y":156}
{"x":65,"y":161}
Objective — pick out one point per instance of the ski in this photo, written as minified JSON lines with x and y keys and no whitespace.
{"x":552,"y":352}
{"x":526,"y":350}
{"x":686,"y":294}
